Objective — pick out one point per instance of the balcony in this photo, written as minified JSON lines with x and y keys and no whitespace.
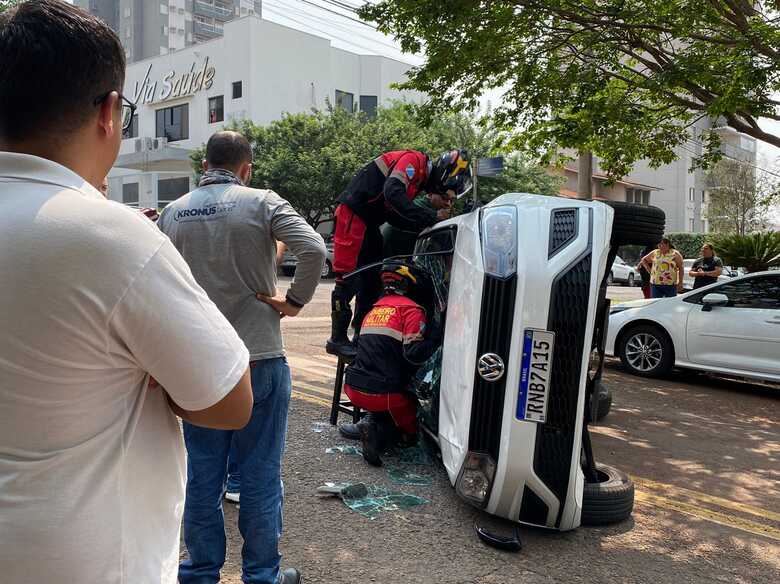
{"x":203,"y":29}
{"x":212,"y":11}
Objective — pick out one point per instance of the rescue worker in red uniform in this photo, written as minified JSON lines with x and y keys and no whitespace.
{"x":382,"y":191}
{"x":394,"y":342}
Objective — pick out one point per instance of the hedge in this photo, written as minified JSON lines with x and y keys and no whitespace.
{"x":689,"y":244}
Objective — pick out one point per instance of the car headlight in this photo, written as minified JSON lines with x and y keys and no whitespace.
{"x":476,"y":478}
{"x":499,"y":241}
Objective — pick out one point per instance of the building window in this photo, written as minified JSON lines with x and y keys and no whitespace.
{"x":691,"y":194}
{"x":170,"y":189}
{"x":368,"y":105}
{"x":130,"y":193}
{"x":345,"y":100}
{"x":704,"y":196}
{"x":173,"y":123}
{"x":216,"y":109}
{"x":238,"y":89}
{"x":132,"y":130}
{"x":163,"y":8}
{"x":691,"y":228}
{"x":638,"y":196}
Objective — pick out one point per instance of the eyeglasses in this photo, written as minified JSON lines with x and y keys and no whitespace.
{"x":128,"y":108}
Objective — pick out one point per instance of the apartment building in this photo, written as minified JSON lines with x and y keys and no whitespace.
{"x":149,"y":28}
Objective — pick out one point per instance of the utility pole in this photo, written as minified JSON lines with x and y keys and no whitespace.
{"x":585,"y":175}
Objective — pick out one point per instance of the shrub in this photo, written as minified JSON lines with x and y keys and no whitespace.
{"x":755,"y":252}
{"x":689,"y":244}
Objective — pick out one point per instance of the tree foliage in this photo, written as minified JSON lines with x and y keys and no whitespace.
{"x":625,"y":79}
{"x":309,"y":158}
{"x":6,"y":4}
{"x":741,"y":197}
{"x":755,"y":252}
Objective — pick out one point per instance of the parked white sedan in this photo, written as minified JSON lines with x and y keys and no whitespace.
{"x":731,"y":327}
{"x":622,"y":273}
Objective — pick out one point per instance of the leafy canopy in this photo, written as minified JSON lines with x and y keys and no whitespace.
{"x":625,"y":79}
{"x":309,"y":158}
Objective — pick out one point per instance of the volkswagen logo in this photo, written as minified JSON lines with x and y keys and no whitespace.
{"x":490,"y":367}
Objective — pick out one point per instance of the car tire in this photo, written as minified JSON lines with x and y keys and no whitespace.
{"x":604,"y":402}
{"x":630,"y":282}
{"x":658,"y":359}
{"x":288,"y":271}
{"x":327,"y":270}
{"x":611,"y":500}
{"x":636,"y":224}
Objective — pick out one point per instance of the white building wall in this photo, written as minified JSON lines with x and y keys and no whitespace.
{"x":282,"y":70}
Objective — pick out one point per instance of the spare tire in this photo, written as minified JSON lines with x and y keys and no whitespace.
{"x":610,"y":500}
{"x":636,"y":224}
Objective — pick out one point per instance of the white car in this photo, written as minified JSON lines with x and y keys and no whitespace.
{"x":730,"y":327}
{"x":526,"y":281}
{"x":622,"y":273}
{"x":726,"y":274}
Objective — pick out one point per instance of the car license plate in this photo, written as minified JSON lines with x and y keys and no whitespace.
{"x":536,"y":368}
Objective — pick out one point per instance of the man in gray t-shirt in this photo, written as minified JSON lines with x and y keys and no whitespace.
{"x":228,"y":234}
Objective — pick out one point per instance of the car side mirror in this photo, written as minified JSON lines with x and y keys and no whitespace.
{"x":712,"y":300}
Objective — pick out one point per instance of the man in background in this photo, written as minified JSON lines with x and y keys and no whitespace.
{"x":228,"y":233}
{"x":93,"y":301}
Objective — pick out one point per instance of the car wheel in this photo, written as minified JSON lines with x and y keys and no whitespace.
{"x":603,"y":401}
{"x":610,"y":500}
{"x":327,"y":270}
{"x":631,"y":280}
{"x":288,"y":271}
{"x":646,"y":350}
{"x":610,"y":279}
{"x":636,"y":224}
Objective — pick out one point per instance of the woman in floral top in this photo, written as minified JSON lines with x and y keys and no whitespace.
{"x":665,"y":265}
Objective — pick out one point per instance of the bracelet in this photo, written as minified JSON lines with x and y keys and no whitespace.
{"x":292,"y":302}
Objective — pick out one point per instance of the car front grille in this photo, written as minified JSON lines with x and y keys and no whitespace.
{"x":563,"y":230}
{"x":568,"y":319}
{"x":495,"y":336}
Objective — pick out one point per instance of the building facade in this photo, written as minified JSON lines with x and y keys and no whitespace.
{"x":148,"y":28}
{"x":258,"y":70}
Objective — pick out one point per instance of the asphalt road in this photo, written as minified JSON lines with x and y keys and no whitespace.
{"x":704,"y":452}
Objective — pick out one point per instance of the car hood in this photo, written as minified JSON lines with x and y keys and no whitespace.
{"x":621,"y":306}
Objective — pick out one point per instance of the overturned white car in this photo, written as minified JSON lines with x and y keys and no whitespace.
{"x":524,"y":280}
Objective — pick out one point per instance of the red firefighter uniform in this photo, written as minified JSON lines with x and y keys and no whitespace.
{"x":381,"y":191}
{"x":393,"y":344}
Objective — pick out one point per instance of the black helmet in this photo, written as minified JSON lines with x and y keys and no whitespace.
{"x":400,"y":277}
{"x":452,"y":171}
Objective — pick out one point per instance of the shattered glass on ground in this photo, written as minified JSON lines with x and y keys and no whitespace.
{"x":344,"y":449}
{"x":380,"y":500}
{"x":402,"y":476}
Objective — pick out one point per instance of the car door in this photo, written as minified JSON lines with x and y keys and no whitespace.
{"x":743,"y":336}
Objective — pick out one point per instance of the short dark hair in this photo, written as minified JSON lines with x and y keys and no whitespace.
{"x":228,"y":149}
{"x":55,"y":60}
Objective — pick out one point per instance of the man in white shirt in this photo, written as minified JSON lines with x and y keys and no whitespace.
{"x":93,"y":301}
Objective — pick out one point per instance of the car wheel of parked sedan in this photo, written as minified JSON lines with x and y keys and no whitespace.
{"x":288,"y":271}
{"x":327,"y":270}
{"x":631,"y":280}
{"x":646,"y":350}
{"x":610,"y":500}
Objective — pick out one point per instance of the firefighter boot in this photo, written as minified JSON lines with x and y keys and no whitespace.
{"x":339,"y":343}
{"x":376,"y":436}
{"x":352,"y":431}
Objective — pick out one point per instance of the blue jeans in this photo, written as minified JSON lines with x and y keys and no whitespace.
{"x":659,"y":291}
{"x":258,"y":449}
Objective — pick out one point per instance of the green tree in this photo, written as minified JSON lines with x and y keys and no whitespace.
{"x":6,"y":4}
{"x":741,"y":198}
{"x":309,"y":158}
{"x":625,"y":79}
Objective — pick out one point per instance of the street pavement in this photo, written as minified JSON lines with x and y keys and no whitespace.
{"x":704,"y":454}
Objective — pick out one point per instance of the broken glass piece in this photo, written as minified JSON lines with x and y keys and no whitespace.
{"x":319,"y":427}
{"x":344,"y":449}
{"x":405,"y":477}
{"x":380,"y":499}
